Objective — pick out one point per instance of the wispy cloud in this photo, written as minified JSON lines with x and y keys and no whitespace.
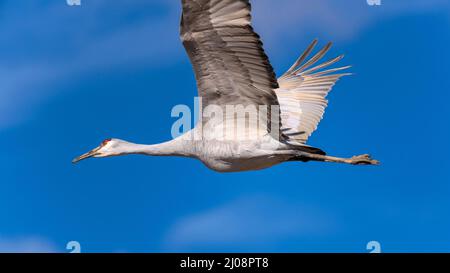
{"x":72,"y":43}
{"x":335,"y":20}
{"x":249,"y":220}
{"x":58,"y":43}
{"x":26,"y":245}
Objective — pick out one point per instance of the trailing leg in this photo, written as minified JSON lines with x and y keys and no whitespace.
{"x":356,"y":160}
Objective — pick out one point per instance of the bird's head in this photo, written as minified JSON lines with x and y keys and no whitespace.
{"x":108,"y":147}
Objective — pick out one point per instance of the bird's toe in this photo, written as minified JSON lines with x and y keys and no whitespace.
{"x":364,"y":160}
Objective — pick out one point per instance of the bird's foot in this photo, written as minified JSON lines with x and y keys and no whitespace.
{"x":363,"y":160}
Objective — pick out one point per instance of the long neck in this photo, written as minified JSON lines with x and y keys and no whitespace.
{"x":171,"y":148}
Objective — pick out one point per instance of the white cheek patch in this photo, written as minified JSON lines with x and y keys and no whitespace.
{"x":105,"y":149}
{"x":108,"y":145}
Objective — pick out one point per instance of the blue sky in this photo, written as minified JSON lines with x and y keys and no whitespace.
{"x":72,"y":76}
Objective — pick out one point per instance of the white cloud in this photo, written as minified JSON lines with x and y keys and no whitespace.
{"x":26,"y":81}
{"x":103,"y":40}
{"x":250,"y":220}
{"x":285,"y":20}
{"x":26,"y":245}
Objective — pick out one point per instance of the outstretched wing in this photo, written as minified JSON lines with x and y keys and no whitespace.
{"x":230,"y":65}
{"x":302,"y":93}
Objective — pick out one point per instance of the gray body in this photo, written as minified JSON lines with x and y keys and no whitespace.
{"x":231,"y":69}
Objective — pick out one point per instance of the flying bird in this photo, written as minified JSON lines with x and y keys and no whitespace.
{"x":232,"y":69}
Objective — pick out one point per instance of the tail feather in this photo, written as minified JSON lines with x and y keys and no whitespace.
{"x":310,"y":149}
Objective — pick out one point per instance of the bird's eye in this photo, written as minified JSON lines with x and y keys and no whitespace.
{"x":106,"y":141}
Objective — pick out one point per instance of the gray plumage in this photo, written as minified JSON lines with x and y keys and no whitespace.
{"x":232,"y":69}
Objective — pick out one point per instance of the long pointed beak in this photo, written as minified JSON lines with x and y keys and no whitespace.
{"x":85,"y":156}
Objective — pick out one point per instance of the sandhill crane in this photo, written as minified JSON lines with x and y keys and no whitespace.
{"x":232,"y":69}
